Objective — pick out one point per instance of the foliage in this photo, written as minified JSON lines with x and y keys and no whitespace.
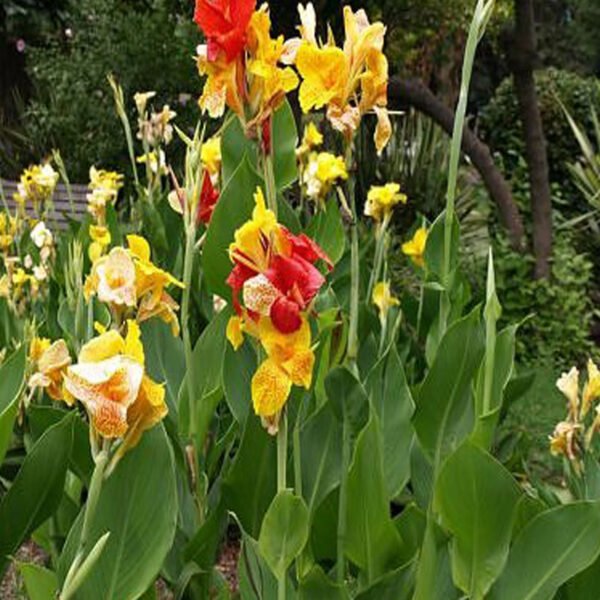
{"x":501,"y":127}
{"x":208,"y":365}
{"x":145,"y":49}
{"x":555,"y":314}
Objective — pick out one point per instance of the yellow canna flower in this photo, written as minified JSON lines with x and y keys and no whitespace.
{"x":50,"y":362}
{"x":222,"y":86}
{"x":37,"y":184}
{"x":564,"y":440}
{"x":350,"y":82}
{"x":104,"y":186}
{"x":110,"y":381}
{"x":321,"y":173}
{"x":415,"y":248}
{"x":381,"y":201}
{"x":113,"y":279}
{"x":311,"y":139}
{"x":289,"y":361}
{"x":100,"y":234}
{"x":248,"y":246}
{"x":210,"y":155}
{"x":568,"y":384}
{"x":268,"y":83}
{"x":6,"y":241}
{"x":383,"y":299}
{"x":591,"y":390}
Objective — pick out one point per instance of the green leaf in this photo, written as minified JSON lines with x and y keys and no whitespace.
{"x":40,"y":583}
{"x":321,"y":445}
{"x":317,"y":586}
{"x":208,"y":354}
{"x":476,"y":498}
{"x":235,"y":148}
{"x":37,"y":489}
{"x":284,"y":142}
{"x":347,"y":395}
{"x":410,"y":524}
{"x":138,"y":506}
{"x":444,"y":411}
{"x":235,"y":206}
{"x":434,"y":249}
{"x":372,"y":542}
{"x":394,"y":585}
{"x":503,"y":369}
{"x":392,"y":400}
{"x":550,"y":550}
{"x":12,"y":379}
{"x":284,"y":532}
{"x":251,"y":483}
{"x":240,"y":367}
{"x":327,"y":229}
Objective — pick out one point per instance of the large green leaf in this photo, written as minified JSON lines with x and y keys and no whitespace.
{"x":284,"y":532}
{"x":550,"y":550}
{"x":327,"y":229}
{"x":12,"y":378}
{"x":138,"y":506}
{"x":233,"y":209}
{"x":317,"y":586}
{"x":444,"y":411}
{"x":503,"y":369}
{"x":476,"y":498}
{"x":239,"y":367}
{"x":251,"y":483}
{"x":208,"y":355}
{"x":372,"y":542}
{"x":284,"y":142}
{"x":37,"y":490}
{"x":321,"y":446}
{"x":392,"y":400}
{"x":40,"y":583}
{"x":348,"y":397}
{"x":394,"y":585}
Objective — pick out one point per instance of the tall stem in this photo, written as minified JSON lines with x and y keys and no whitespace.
{"x":352,"y":349}
{"x":188,"y":265}
{"x":281,"y":480}
{"x":90,"y":510}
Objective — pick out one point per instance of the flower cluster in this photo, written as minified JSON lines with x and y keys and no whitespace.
{"x":381,"y":201}
{"x":573,"y":436}
{"x":27,"y":261}
{"x":36,"y":186}
{"x":132,"y":285}
{"x":349,"y":81}
{"x":104,"y":190}
{"x":246,"y":70}
{"x":274,"y":272}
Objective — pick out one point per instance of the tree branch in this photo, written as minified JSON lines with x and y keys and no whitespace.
{"x":413,"y":92}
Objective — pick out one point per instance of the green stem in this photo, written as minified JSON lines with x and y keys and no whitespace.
{"x":352,"y":348}
{"x":343,"y":503}
{"x":271,"y":186}
{"x":282,"y":480}
{"x":188,"y":265}
{"x":88,"y":516}
{"x":379,"y":254}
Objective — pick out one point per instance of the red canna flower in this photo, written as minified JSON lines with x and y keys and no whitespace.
{"x":224,"y":23}
{"x":274,"y":270}
{"x":209,"y":197}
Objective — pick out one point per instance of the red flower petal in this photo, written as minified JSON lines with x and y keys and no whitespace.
{"x":224,"y":23}
{"x":307,"y":248}
{"x":294,"y":275}
{"x":285,"y":315}
{"x":209,"y":197}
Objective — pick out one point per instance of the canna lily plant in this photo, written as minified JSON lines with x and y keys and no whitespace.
{"x":228,"y":357}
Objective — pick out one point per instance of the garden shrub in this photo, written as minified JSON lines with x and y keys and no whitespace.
{"x":555,"y":314}
{"x":501,"y":125}
{"x":74,"y":109}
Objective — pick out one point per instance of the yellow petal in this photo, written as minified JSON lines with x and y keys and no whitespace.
{"x":148,"y":409}
{"x":234,"y":332}
{"x":133,"y":342}
{"x":300,"y":367}
{"x":139,"y":247}
{"x":100,"y":348}
{"x":270,"y":389}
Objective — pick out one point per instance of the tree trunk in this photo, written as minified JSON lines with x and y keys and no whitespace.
{"x":413,"y":92}
{"x":522,"y":56}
